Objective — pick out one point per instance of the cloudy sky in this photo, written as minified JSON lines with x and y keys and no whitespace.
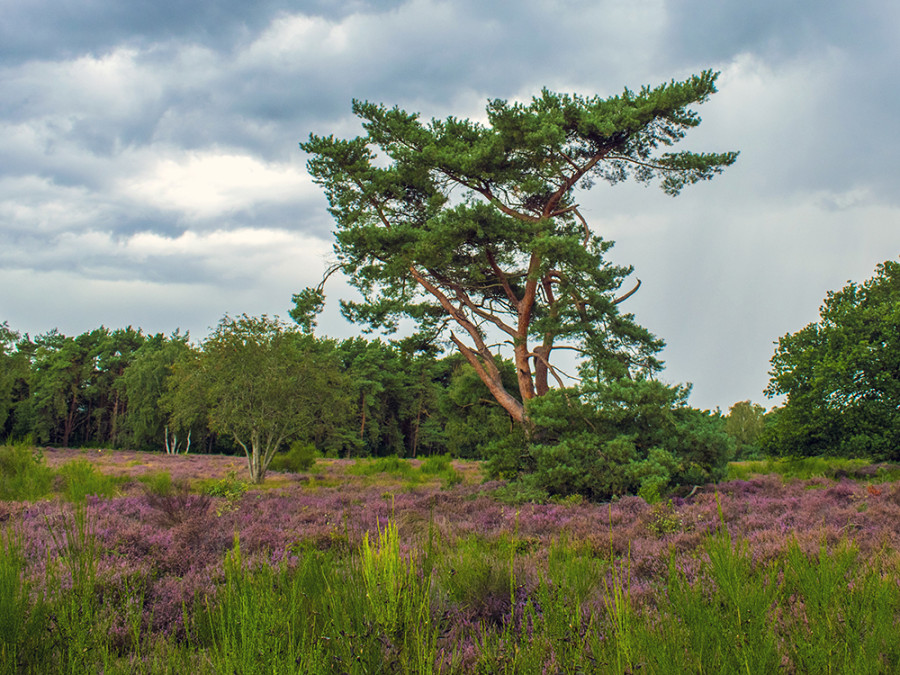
{"x":150,"y":173}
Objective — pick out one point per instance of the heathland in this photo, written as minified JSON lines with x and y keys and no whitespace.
{"x":133,"y":562}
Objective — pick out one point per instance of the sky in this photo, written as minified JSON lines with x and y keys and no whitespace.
{"x":150,"y":173}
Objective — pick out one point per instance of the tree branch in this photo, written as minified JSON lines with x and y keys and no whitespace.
{"x":553,"y":369}
{"x":622,"y":298}
{"x":504,"y":281}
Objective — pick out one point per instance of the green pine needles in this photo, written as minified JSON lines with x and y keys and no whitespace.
{"x":474,"y":231}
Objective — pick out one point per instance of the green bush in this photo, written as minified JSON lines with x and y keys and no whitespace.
{"x":229,"y":487}
{"x":158,"y":483}
{"x":390,"y":464}
{"x":804,"y":468}
{"x":436,"y":464}
{"x":82,"y":479}
{"x":442,"y":465}
{"x":623,"y":437}
{"x":23,"y":474}
{"x":299,"y":458}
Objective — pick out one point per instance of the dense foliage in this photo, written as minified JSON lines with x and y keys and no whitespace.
{"x":745,"y":423}
{"x":473,"y":230}
{"x":262,"y":384}
{"x":841,"y":375}
{"x":627,"y":436}
{"x":352,"y":398}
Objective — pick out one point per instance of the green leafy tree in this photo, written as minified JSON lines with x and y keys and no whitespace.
{"x":145,"y":382}
{"x":261,"y":383}
{"x":841,"y":375}
{"x":393,"y":393}
{"x":473,"y":230}
{"x":14,"y":365}
{"x":185,"y":402}
{"x":745,"y":423}
{"x":112,"y":354}
{"x":377,"y":380}
{"x":466,"y":413}
{"x":76,"y":385}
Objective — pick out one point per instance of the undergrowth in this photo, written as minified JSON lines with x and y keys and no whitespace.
{"x":387,"y":608}
{"x":804,"y":468}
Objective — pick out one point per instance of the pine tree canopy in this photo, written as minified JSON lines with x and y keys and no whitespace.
{"x":473,"y":231}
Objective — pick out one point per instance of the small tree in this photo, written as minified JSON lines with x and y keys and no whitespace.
{"x":841,"y":375}
{"x":607,"y":439}
{"x":473,"y":231}
{"x":745,"y":423}
{"x":262,"y":382}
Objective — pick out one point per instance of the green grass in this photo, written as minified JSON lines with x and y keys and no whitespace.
{"x":387,"y":607}
{"x":299,"y":458}
{"x":82,"y":479}
{"x":158,"y":483}
{"x":805,"y":468}
{"x":436,"y":466}
{"x":378,"y":609}
{"x":23,"y":474}
{"x":24,"y":617}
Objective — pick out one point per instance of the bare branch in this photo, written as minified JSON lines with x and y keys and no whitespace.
{"x":457,"y":316}
{"x":569,"y":160}
{"x":553,"y":369}
{"x":487,"y":316}
{"x":564,"y":211}
{"x":550,"y":207}
{"x":622,"y":298}
{"x":332,"y":268}
{"x":587,"y":230}
{"x":502,"y":276}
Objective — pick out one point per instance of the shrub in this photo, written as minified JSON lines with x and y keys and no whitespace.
{"x":299,"y":458}
{"x":23,"y":474}
{"x":390,"y":464}
{"x":230,"y":488}
{"x":173,"y":502}
{"x":442,"y":465}
{"x":624,"y":437}
{"x":82,"y":479}
{"x":436,"y":464}
{"x":158,"y":483}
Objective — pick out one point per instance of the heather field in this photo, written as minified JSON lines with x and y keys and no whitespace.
{"x":126,"y":562}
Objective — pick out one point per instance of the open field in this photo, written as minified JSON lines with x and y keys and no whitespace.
{"x":381,"y":566}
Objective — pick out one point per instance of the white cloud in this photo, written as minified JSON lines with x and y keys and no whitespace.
{"x":114,"y":85}
{"x":33,"y":206}
{"x":209,"y":184}
{"x":291,"y":40}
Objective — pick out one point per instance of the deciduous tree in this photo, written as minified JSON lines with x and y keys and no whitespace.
{"x":744,"y":423}
{"x":13,"y":368}
{"x":263,"y":384}
{"x":145,"y":384}
{"x":841,"y":375}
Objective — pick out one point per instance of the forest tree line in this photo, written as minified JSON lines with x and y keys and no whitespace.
{"x":122,"y":388}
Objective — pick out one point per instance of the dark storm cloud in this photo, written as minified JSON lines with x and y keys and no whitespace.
{"x":151,"y":160}
{"x":51,"y":29}
{"x":777,"y":29}
{"x":851,"y":48}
